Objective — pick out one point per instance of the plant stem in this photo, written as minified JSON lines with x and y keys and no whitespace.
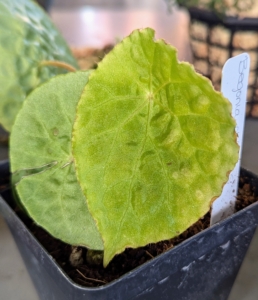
{"x":94,"y":257}
{"x":58,"y":64}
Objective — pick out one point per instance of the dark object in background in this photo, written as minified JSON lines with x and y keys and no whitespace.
{"x":45,"y":4}
{"x":215,"y":39}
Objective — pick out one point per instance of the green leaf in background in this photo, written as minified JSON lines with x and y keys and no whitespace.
{"x":27,"y":38}
{"x":153,"y":143}
{"x":42,"y":162}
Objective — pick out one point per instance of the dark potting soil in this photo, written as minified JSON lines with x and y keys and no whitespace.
{"x":95,"y":275}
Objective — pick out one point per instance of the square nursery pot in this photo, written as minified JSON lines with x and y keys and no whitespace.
{"x":202,"y":267}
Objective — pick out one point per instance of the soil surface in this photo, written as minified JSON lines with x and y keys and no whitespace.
{"x":73,"y":259}
{"x":95,"y":275}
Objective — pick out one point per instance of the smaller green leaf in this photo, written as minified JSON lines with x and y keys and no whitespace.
{"x":42,"y":162}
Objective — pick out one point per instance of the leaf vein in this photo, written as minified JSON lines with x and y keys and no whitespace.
{"x":162,"y":86}
{"x":115,"y":98}
{"x":116,"y":135}
{"x":133,"y":176}
{"x":164,"y":171}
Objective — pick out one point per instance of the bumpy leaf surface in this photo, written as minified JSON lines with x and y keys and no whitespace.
{"x":27,"y":37}
{"x":42,"y":162}
{"x":152,"y":142}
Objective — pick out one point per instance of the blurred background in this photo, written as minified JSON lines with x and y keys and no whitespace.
{"x":92,"y":27}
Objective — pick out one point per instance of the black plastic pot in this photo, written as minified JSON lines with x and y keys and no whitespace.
{"x":203,"y":267}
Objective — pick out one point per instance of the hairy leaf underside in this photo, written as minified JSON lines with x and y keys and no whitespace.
{"x":42,"y":162}
{"x":153,"y":143}
{"x":27,"y":38}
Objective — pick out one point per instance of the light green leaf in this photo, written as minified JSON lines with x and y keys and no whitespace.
{"x":42,"y":162}
{"x":153,"y":143}
{"x":27,"y":37}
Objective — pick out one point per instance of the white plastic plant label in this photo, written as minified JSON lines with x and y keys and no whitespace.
{"x":234,"y":85}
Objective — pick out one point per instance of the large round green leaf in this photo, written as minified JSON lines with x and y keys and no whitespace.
{"x":27,"y":38}
{"x":42,"y":162}
{"x":153,"y":143}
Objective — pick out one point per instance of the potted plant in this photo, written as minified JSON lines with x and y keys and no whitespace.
{"x":32,"y":51}
{"x":126,"y":156}
{"x":219,"y":30}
